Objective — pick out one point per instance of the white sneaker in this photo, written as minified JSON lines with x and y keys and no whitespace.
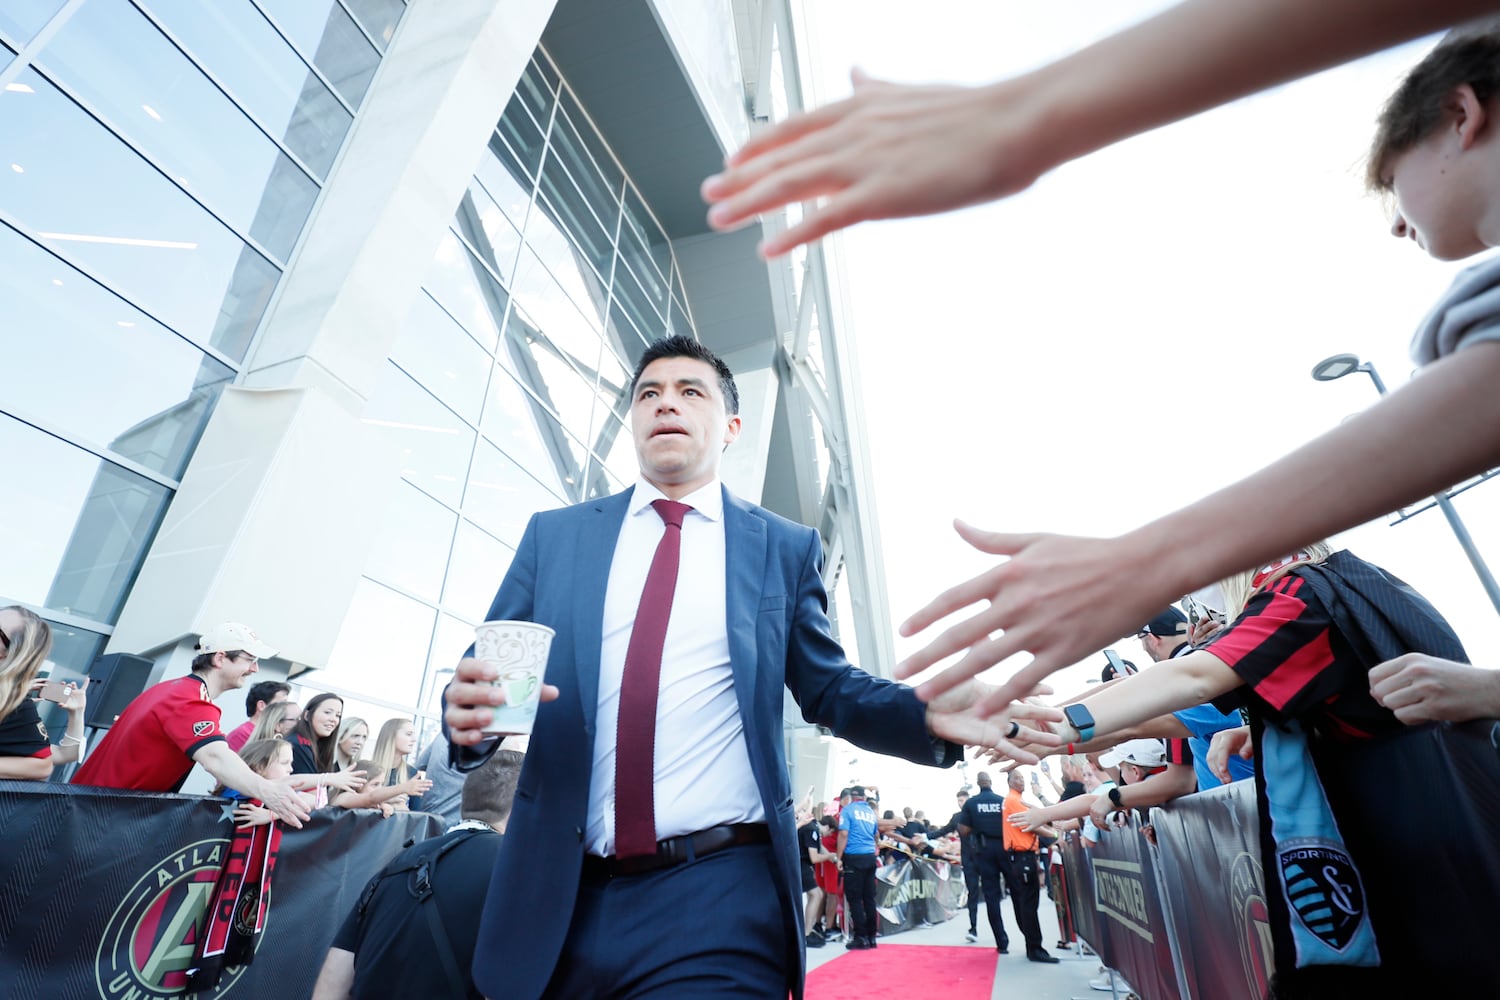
{"x":971,"y":937}
{"x":1110,"y":982}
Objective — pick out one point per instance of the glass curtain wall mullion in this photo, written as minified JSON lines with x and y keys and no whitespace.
{"x":98,"y":451}
{"x":361,"y":27}
{"x":311,"y":66}
{"x":212,"y":78}
{"x":39,"y":39}
{"x":208,"y":349}
{"x":151,"y":162}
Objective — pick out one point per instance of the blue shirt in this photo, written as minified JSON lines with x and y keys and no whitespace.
{"x":858,"y":820}
{"x":1203,"y":721}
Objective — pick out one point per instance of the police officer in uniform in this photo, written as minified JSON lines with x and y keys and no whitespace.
{"x":983,"y":819}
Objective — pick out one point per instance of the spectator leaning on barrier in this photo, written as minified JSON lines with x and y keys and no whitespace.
{"x":263,"y":694}
{"x":25,"y":753}
{"x":447,"y":781}
{"x":276,"y":722}
{"x":414,"y":930}
{"x":153,"y":744}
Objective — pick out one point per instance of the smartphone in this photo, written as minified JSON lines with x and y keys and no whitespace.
{"x":55,"y":691}
{"x":1121,"y":670}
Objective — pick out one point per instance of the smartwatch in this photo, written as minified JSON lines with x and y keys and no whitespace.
{"x":1081,"y":719}
{"x":1114,"y":797}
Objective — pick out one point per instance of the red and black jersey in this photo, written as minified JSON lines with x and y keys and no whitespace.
{"x":1178,"y":752}
{"x":22,"y":733}
{"x":1295,"y":664}
{"x":151,"y":746}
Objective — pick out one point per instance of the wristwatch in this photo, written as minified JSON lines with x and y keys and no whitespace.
{"x":1114,"y":797}
{"x":1081,"y":719}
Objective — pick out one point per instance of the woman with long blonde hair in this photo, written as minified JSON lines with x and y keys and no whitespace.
{"x":25,"y":641}
{"x":277,"y":721}
{"x":392,"y":784}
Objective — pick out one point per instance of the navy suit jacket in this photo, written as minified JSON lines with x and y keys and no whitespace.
{"x":776,"y":614}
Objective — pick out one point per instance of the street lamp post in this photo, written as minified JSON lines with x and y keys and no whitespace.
{"x":1343,"y":364}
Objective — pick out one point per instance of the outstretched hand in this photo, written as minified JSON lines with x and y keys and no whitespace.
{"x":889,"y":151}
{"x":1235,"y":741}
{"x":470,"y":697}
{"x":1057,"y":597}
{"x":952,"y":716}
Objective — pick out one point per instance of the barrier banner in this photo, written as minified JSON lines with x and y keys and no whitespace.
{"x":1079,"y":881}
{"x":914,"y":890}
{"x":106,"y":892}
{"x":1137,"y":940}
{"x":1210,"y":859}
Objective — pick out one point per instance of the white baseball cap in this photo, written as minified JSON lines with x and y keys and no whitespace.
{"x":232,"y":636}
{"x":1142,"y":753}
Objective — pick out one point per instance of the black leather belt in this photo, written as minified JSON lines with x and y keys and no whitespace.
{"x":676,"y":850}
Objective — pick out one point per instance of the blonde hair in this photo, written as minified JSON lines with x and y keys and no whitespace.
{"x":29,"y":646}
{"x":1240,"y":587}
{"x":345,"y":728}
{"x":383,"y":758}
{"x":257,"y":754}
{"x":270,"y":717}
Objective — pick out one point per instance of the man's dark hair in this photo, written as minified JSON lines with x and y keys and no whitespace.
{"x":263,"y":691}
{"x":203,"y":661}
{"x":490,"y":789}
{"x":1416,"y":109}
{"x":682,"y":346}
{"x":889,"y":814}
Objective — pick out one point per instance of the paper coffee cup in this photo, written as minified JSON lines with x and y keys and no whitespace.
{"x":519,"y":651}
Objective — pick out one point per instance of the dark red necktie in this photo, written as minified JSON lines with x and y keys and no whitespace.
{"x":635,"y":733}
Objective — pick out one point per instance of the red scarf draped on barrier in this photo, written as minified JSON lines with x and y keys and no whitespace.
{"x":237,"y":913}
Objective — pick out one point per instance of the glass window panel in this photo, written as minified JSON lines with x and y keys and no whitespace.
{"x":561,"y":372}
{"x":638,"y":304}
{"x":678,"y":321}
{"x":436,"y":352}
{"x":612,"y":178}
{"x":116,"y":61}
{"x":566,"y":269}
{"x":92,"y":200}
{"x":640,"y":237}
{"x":625,"y":337}
{"x":378,"y":17}
{"x":503,"y":179}
{"x":434,"y":445}
{"x":598,"y":193}
{"x":70,"y":378}
{"x":523,"y":135}
{"x":559,"y":224}
{"x":451,"y":641}
{"x":81,"y":530}
{"x":262,"y":73}
{"x":462,"y":286}
{"x":542,"y":66}
{"x":519,"y":425}
{"x":535,"y":93}
{"x":411,"y":551}
{"x":501,"y":497}
{"x":553,"y":307}
{"x":22,"y":19}
{"x":329,"y":37}
{"x":381,"y":649}
{"x":488,"y":231}
{"x":478,"y":565}
{"x":620,"y":460}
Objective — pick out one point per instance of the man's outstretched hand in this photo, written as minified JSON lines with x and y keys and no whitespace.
{"x":1057,"y":597}
{"x":470,"y":698}
{"x":951,"y":716}
{"x":891,"y":150}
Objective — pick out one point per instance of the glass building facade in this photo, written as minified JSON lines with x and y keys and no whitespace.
{"x":161,"y":159}
{"x":507,"y":391}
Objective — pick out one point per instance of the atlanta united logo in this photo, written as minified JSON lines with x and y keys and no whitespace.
{"x":1324,"y":890}
{"x":1253,"y":921}
{"x":148,"y":945}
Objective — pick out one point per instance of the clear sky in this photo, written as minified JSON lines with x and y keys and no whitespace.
{"x":1135,"y":331}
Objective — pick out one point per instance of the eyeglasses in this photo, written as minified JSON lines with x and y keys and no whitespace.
{"x":242,"y":655}
{"x":4,"y":638}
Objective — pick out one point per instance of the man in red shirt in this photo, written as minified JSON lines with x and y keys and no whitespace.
{"x":263,"y":694}
{"x":156,"y":740}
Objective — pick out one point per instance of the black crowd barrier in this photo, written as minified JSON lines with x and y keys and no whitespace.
{"x":1184,"y":918}
{"x":103,"y":893}
{"x":914,"y":890}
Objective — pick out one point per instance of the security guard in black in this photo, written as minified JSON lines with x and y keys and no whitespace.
{"x":983,"y":819}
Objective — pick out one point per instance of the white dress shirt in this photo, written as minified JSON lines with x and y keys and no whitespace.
{"x":703,"y":775}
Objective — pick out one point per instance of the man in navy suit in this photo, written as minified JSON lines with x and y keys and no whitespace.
{"x":712,"y":907}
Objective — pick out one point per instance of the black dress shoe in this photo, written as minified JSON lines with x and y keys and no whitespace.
{"x":1004,"y":948}
{"x":1041,"y":955}
{"x":856,"y":943}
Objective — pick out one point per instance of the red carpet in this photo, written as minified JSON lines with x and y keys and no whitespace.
{"x":906,"y":970}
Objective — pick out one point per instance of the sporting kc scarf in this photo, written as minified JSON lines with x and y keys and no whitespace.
{"x":237,"y":913}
